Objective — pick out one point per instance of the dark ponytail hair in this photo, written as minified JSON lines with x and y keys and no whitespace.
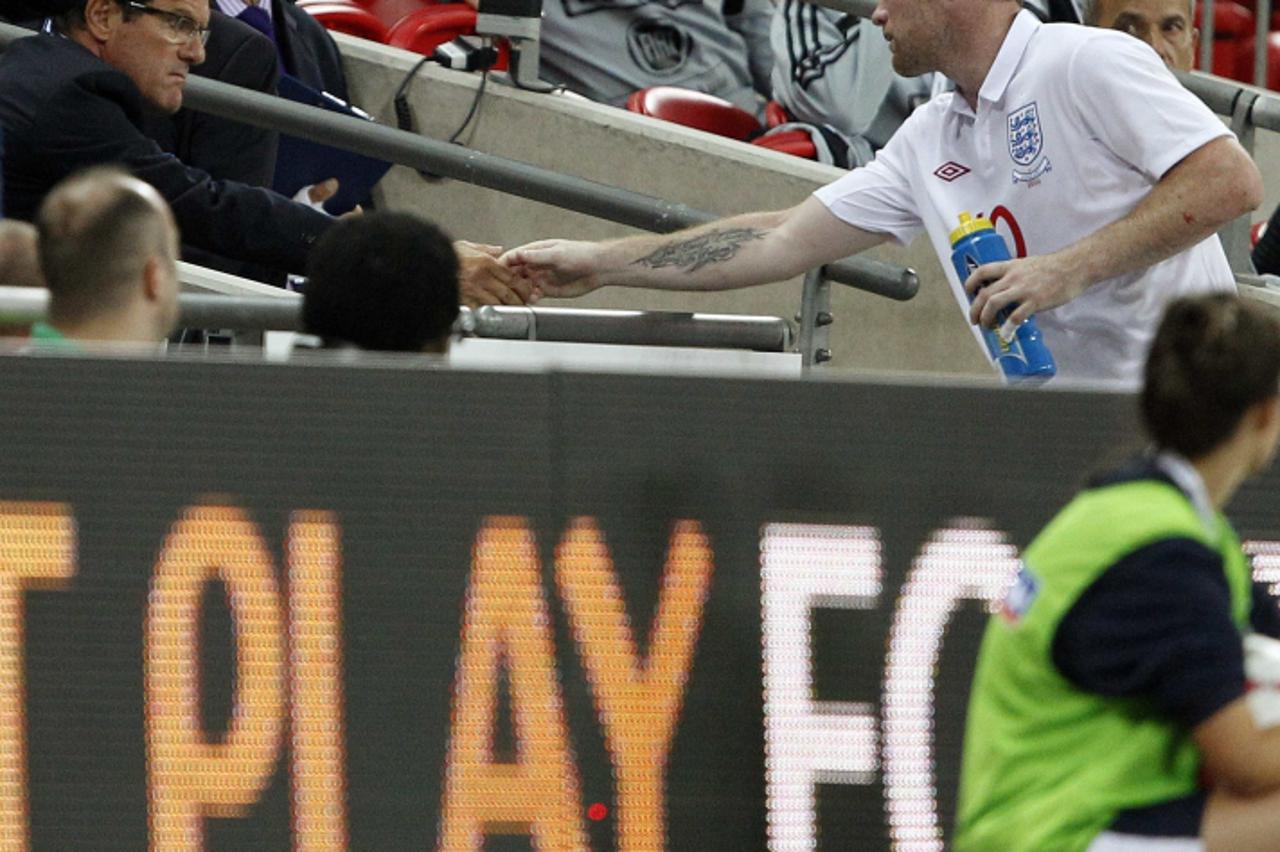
{"x":1212,"y":359}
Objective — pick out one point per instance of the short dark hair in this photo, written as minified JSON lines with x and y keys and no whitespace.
{"x":96,"y":232}
{"x":385,"y":281}
{"x":1213,"y":358}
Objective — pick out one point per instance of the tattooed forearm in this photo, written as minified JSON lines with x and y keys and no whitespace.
{"x":703,"y":250}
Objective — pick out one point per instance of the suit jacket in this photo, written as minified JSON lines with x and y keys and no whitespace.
{"x":228,"y":150}
{"x":63,"y":109}
{"x":307,"y":49}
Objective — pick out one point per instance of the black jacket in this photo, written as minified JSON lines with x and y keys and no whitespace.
{"x":228,"y":150}
{"x":63,"y":109}
{"x":308,"y":51}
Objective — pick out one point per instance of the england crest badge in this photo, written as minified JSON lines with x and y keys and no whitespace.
{"x":1021,"y":595}
{"x":1026,"y":144}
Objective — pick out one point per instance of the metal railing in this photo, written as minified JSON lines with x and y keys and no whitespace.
{"x":514,"y":178}
{"x":25,"y":305}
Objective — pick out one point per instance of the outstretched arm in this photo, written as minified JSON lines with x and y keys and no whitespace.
{"x":1207,"y":189}
{"x":753,"y":248}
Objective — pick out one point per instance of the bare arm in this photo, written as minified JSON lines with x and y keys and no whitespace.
{"x":753,"y":248}
{"x":1208,"y":188}
{"x":1237,"y":754}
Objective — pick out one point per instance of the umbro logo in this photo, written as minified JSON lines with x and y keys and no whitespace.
{"x":950,"y":170}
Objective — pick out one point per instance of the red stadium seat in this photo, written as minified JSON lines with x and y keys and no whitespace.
{"x":345,"y":16}
{"x":775,"y":114}
{"x":695,"y":109}
{"x":798,"y":143}
{"x":423,"y":30}
{"x":391,"y":12}
{"x":1233,"y":36}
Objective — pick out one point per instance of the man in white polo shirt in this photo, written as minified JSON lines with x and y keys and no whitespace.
{"x":1107,"y":178}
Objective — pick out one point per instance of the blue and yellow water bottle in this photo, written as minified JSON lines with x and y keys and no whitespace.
{"x":1024,"y":356}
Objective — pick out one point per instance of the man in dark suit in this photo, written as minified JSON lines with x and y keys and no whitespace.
{"x":306,"y":49}
{"x":239,"y":55}
{"x":77,"y":98}
{"x":228,"y":150}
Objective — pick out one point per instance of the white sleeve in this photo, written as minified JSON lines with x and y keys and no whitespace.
{"x":877,"y":197}
{"x":1131,"y":103}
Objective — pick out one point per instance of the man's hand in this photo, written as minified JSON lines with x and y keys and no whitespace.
{"x":316,"y":194}
{"x":561,"y":268}
{"x":1034,"y":283}
{"x":483,"y":280}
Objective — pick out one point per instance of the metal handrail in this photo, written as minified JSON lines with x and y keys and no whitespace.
{"x":24,"y":305}
{"x":487,"y":170}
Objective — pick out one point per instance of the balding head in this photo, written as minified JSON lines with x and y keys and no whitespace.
{"x":19,"y":261}
{"x":19,"y":264}
{"x":107,"y":241}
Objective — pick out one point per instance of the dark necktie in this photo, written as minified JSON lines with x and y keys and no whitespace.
{"x":259,"y":20}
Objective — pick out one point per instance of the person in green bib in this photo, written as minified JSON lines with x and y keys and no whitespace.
{"x":1108,"y":710}
{"x":108,"y":248}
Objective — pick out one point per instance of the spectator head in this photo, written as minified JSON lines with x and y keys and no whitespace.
{"x":1214,"y":370}
{"x":1167,"y":25}
{"x":108,"y":250}
{"x":19,"y":263}
{"x":383,"y":281}
{"x":154,"y":42}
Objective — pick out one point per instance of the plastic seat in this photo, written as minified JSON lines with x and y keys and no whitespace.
{"x":797,"y":143}
{"x":775,"y":115}
{"x":391,"y":12}
{"x":425,"y":29}
{"x":1273,"y":61}
{"x":345,"y":16}
{"x":695,"y":109}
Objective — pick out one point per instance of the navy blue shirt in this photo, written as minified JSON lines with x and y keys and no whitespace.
{"x":1157,"y":625}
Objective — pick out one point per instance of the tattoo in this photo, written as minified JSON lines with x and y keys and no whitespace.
{"x":697,"y":252}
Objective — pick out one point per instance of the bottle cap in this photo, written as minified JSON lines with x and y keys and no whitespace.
{"x":970,"y":225}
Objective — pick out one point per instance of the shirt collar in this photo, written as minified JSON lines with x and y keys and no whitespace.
{"x":1187,"y":478}
{"x":233,"y":8}
{"x":1025,"y":25}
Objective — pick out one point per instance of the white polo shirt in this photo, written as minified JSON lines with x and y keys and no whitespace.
{"x":1073,"y":128}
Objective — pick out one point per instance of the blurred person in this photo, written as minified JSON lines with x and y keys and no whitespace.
{"x":834,"y":70}
{"x":606,"y":50}
{"x":1111,"y":176}
{"x":19,"y":264}
{"x":383,"y":281}
{"x":1167,"y":25}
{"x":1114,"y":671}
{"x":75,"y":98}
{"x":108,"y":250}
{"x":305,"y":49}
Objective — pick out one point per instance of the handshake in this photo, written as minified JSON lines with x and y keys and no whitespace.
{"x":489,"y":276}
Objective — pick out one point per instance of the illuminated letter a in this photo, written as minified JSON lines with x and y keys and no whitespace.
{"x":506,"y":622}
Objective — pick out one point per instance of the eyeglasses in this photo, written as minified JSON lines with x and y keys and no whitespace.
{"x":182,"y":29}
